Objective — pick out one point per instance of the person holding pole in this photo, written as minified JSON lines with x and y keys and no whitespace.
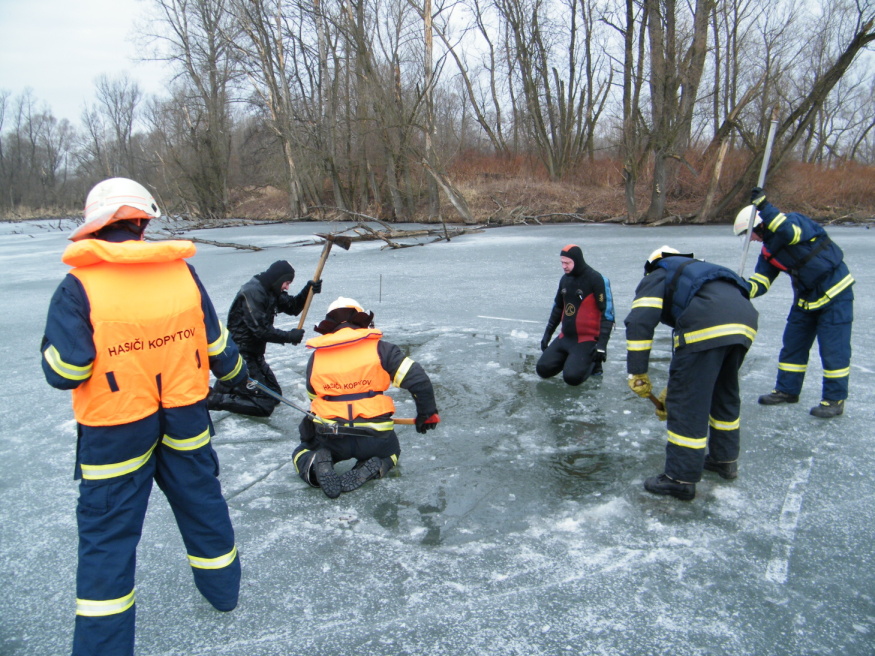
{"x":250,"y":322}
{"x":584,"y":309}
{"x":823,"y":300}
{"x":714,"y":324}
{"x":350,"y":416}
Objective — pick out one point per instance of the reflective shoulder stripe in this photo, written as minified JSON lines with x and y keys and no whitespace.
{"x":776,"y":222}
{"x":837,"y":373}
{"x":714,"y":332}
{"x":647,"y":301}
{"x":219,"y":345}
{"x":639,"y":344}
{"x":187,"y":444}
{"x":92,"y":608}
{"x":235,"y":370}
{"x":100,"y":472}
{"x":213,"y":563}
{"x":402,"y":372}
{"x":724,"y":425}
{"x":65,"y":369}
{"x":689,"y":442}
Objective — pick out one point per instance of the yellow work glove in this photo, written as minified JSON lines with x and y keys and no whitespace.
{"x":640,"y":384}
{"x":662,"y":415}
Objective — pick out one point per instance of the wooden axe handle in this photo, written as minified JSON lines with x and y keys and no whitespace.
{"x":325,"y":250}
{"x":659,"y":405}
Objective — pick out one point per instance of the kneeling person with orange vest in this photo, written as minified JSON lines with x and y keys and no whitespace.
{"x":350,"y":368}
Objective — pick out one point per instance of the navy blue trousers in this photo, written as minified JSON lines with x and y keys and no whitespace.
{"x":703,"y":405}
{"x":831,"y":325}
{"x":110,"y":515}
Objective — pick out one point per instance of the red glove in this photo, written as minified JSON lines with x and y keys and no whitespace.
{"x":427,"y":422}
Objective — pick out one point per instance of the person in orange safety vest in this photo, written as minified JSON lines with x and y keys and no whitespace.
{"x":132,"y":332}
{"x":350,"y":369}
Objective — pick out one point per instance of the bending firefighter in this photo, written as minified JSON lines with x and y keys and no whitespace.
{"x":585,"y":310}
{"x":823,"y":301}
{"x":132,"y":332}
{"x":250,"y":321}
{"x":714,"y":325}
{"x":350,"y":369}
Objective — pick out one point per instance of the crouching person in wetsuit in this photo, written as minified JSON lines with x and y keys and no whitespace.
{"x":350,"y":368}
{"x":132,"y":332}
{"x":714,"y":325}
{"x":250,"y":322}
{"x":584,"y":308}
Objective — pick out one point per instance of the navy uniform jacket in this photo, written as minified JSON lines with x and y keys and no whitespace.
{"x":796,"y":244}
{"x":706,"y":305}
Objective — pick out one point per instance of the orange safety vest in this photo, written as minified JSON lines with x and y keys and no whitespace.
{"x":347,"y":375}
{"x":149,"y":333}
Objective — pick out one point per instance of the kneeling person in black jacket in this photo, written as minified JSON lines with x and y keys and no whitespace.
{"x":250,"y":322}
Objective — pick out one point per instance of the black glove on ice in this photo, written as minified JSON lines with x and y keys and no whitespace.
{"x":599,"y":355}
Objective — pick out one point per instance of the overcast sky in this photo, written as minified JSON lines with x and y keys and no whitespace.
{"x":59,"y":47}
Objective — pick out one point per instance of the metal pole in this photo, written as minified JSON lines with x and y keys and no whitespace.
{"x":764,"y":167}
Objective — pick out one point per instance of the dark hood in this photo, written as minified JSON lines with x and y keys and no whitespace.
{"x":277,"y":273}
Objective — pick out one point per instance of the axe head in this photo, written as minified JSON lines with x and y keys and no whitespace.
{"x":337,"y":240}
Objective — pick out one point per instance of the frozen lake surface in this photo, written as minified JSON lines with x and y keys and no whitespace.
{"x":520,"y":525}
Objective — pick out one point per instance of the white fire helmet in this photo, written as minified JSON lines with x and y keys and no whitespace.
{"x":742,"y":220}
{"x":658,"y":253}
{"x":115,"y":199}
{"x":343,"y":302}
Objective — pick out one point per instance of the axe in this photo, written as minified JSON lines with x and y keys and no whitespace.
{"x":342,"y":242}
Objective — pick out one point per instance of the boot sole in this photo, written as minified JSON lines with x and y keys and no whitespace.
{"x":355,"y":478}
{"x":328,"y":479}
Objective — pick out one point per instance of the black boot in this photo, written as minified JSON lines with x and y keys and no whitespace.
{"x":662,"y":484}
{"x":727,"y":470}
{"x":363,"y":472}
{"x":775,"y":398}
{"x":828,"y":409}
{"x":323,"y":468}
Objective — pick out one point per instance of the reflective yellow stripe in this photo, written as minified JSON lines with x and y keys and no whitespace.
{"x":792,"y":368}
{"x":213,"y":563}
{"x":647,"y":301}
{"x":187,"y":444}
{"x":836,"y":373}
{"x":219,"y":345}
{"x":760,"y":279}
{"x":715,"y":332}
{"x":639,"y":344}
{"x":797,"y":235}
{"x":100,"y":472}
{"x":92,"y":608}
{"x":297,"y":457}
{"x":402,"y":372}
{"x":358,"y":423}
{"x":753,"y":288}
{"x":830,"y":294}
{"x":689,"y":442}
{"x":776,"y":222}
{"x":724,"y":425}
{"x":394,"y":458}
{"x":236,"y":369}
{"x":65,"y":369}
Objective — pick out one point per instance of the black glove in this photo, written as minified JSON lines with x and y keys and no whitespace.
{"x":426,"y":422}
{"x":757,"y":197}
{"x":295,"y":336}
{"x":545,"y":340}
{"x":599,"y":355}
{"x":315,"y":285}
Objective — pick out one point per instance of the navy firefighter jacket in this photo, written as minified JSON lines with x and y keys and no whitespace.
{"x":706,"y":305}
{"x":584,"y":307}
{"x":796,"y":244}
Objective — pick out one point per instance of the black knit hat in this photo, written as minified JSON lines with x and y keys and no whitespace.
{"x":277,"y":273}
{"x":573,"y":253}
